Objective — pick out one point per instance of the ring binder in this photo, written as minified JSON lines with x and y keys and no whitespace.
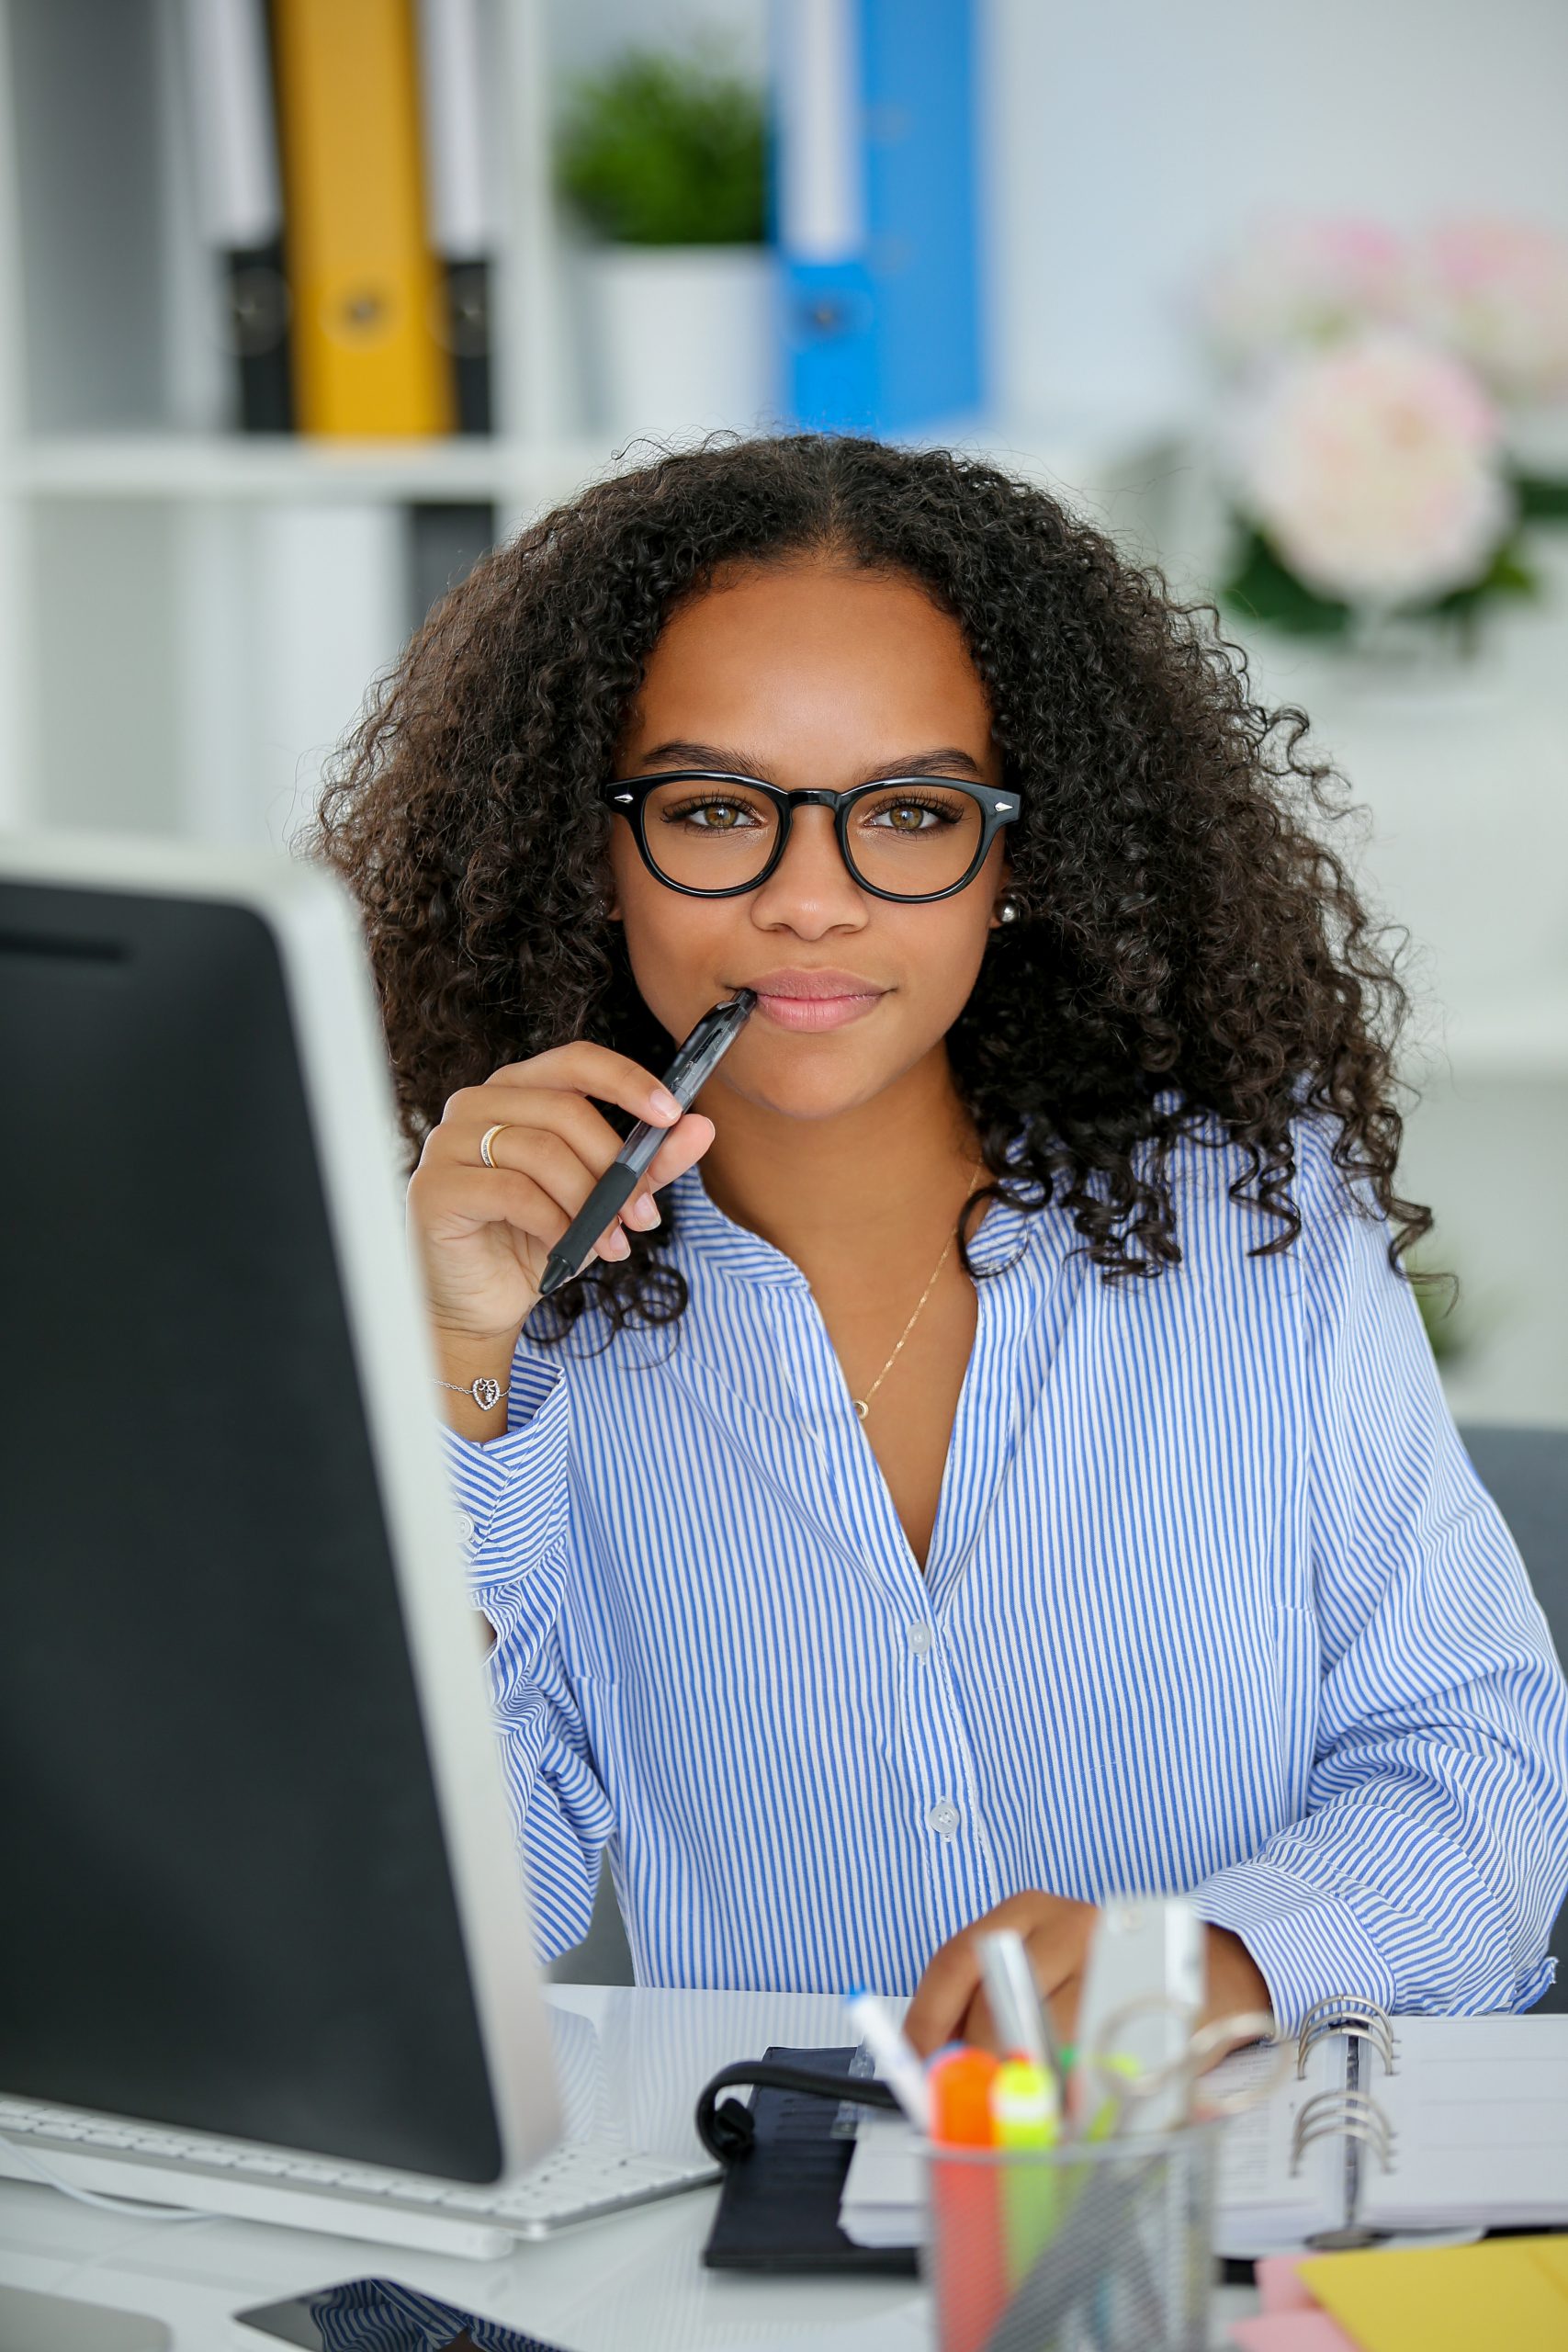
{"x":1343,"y":2017}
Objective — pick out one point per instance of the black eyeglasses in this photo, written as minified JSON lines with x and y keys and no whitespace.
{"x":714,"y":835}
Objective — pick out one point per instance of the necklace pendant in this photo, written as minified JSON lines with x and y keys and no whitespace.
{"x":860,"y":1406}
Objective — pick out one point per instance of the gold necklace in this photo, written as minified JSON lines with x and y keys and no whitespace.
{"x":866,"y":1403}
{"x":863,"y":1403}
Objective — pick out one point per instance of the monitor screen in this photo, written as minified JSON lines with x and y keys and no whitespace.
{"x":228,"y":1900}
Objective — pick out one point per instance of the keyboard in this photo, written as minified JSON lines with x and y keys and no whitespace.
{"x":579,"y":2181}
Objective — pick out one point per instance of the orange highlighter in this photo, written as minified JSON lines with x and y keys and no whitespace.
{"x":968,"y":2223}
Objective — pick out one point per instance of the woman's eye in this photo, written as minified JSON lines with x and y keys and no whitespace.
{"x":911,"y":816}
{"x":711,"y":816}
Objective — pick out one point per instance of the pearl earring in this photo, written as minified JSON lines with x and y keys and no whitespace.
{"x":1009,"y":911}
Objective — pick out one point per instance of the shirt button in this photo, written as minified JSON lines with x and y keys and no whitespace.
{"x":942,"y":1817}
{"x":465,"y":1527}
{"x":920,"y":1640}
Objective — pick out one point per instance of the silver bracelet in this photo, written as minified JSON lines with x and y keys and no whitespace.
{"x":486,"y":1393}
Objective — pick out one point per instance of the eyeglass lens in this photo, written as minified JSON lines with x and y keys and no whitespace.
{"x":912,"y":839}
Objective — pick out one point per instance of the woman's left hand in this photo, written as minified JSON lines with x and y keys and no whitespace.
{"x":949,"y":2002}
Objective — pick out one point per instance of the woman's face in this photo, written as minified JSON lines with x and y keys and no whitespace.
{"x":809,"y":675}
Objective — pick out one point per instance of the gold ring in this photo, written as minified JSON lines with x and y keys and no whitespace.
{"x":487,"y":1137}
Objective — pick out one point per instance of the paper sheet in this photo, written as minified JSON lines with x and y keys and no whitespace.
{"x":1479,"y":2108}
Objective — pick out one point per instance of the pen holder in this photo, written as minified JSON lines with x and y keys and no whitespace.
{"x":1084,"y":2247}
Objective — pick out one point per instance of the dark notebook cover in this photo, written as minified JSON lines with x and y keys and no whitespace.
{"x":779,"y":2209}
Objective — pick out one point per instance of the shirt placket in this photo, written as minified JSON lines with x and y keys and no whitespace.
{"x":942,"y":1812}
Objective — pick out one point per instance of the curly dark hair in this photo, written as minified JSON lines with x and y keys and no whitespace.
{"x":1193,"y":957}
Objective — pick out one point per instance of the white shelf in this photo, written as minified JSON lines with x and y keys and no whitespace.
{"x":171,"y":465}
{"x":231,"y":466}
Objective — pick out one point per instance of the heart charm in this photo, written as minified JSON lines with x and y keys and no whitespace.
{"x":486,"y":1394}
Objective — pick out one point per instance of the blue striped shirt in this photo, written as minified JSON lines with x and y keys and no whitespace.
{"x":1215,"y":1603}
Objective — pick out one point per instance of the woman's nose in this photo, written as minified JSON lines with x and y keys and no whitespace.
{"x":811,"y":878}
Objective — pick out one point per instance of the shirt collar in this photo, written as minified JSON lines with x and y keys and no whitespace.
{"x":701,"y":1227}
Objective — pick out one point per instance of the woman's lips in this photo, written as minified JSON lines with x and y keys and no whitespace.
{"x":815,"y":1011}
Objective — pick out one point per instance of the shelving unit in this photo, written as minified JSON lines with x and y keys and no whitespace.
{"x":189,"y":616}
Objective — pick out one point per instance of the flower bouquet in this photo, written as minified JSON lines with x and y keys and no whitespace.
{"x":1368,"y":483}
{"x":1374,"y":389}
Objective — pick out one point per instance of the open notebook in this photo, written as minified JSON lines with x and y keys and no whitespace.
{"x":1385,"y":2123}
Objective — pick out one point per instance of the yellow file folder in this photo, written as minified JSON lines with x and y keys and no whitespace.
{"x":1504,"y":2295}
{"x":367,"y":291}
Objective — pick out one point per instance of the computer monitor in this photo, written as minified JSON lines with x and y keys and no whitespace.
{"x":256,"y":1861}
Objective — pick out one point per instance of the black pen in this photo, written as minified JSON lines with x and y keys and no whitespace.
{"x":699,"y":1057}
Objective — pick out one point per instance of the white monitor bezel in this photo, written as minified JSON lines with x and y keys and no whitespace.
{"x":342,"y":1063}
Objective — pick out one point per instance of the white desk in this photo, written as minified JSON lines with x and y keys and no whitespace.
{"x":632,"y":2065}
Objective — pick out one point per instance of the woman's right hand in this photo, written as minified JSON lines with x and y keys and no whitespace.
{"x":483,"y":1234}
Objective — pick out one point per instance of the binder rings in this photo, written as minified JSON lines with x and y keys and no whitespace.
{"x":368,"y":301}
{"x":1346,"y":2113}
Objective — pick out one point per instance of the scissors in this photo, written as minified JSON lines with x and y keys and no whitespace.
{"x":1123,"y":2087}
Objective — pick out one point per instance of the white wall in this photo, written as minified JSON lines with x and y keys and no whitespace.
{"x":585,"y":33}
{"x":1487,"y":1155}
{"x":1131,"y":137}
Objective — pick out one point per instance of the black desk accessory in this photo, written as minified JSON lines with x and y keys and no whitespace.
{"x":784,"y":2171}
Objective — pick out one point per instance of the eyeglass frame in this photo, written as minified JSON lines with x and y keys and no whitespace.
{"x":628,"y":796}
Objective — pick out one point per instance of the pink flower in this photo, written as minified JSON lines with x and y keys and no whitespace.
{"x":1495,"y":292}
{"x":1294,"y":279}
{"x":1374,"y":470}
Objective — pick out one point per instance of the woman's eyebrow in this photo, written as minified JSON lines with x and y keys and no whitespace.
{"x":930,"y":764}
{"x":681,"y":753}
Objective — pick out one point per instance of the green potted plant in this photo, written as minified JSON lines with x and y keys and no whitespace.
{"x":662,"y":158}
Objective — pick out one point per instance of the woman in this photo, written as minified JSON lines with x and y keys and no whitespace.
{"x":996,"y":1459}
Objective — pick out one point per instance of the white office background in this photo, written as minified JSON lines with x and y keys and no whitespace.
{"x":186,"y":626}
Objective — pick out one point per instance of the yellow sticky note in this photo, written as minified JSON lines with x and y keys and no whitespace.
{"x":1511,"y":2292}
{"x":1552,"y":2255}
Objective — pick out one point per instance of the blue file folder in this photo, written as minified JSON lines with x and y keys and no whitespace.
{"x":877,"y":214}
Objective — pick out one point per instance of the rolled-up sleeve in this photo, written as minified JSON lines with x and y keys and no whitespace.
{"x":1432,"y":1855}
{"x":512,"y":1500}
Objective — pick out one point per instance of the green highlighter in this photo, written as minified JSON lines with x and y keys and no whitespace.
{"x":1026,"y":2115}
